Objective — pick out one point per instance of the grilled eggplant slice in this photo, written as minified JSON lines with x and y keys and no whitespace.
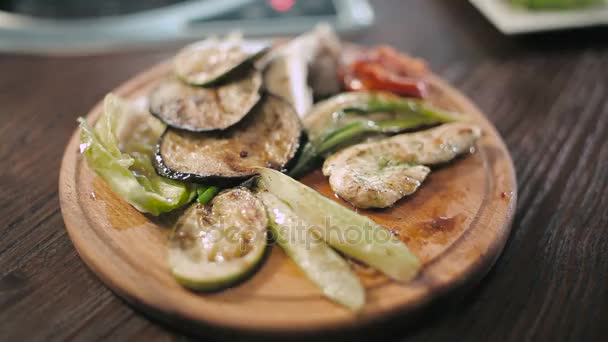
{"x":200,"y":109}
{"x":217,"y":244}
{"x":268,"y":137}
{"x":211,"y":60}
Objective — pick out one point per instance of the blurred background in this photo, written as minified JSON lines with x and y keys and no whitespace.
{"x":82,"y":26}
{"x":85,"y":27}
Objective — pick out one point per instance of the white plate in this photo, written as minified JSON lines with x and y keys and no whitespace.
{"x":512,"y":20}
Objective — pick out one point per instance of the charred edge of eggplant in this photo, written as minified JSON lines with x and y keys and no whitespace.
{"x":261,"y":93}
{"x":232,"y":75}
{"x":302,"y":140}
{"x":160,"y":117}
{"x":164,"y":171}
{"x":202,"y":130}
{"x":302,"y":137}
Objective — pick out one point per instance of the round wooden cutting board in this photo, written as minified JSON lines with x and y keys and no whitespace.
{"x":457,"y":223}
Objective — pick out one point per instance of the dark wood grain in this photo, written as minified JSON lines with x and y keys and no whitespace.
{"x":547,"y":95}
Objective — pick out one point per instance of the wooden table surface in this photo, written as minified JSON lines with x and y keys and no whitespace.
{"x":547,"y":94}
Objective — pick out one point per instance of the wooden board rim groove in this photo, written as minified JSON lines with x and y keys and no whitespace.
{"x":73,"y":221}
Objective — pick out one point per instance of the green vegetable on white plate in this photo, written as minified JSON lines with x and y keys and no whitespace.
{"x":125,"y":163}
{"x":345,"y":230}
{"x":321,"y":264}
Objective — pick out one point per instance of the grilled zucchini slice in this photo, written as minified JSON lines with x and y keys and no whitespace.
{"x":214,"y":246}
{"x":268,"y":137}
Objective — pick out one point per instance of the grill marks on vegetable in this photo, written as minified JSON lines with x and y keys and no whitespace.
{"x":200,"y":109}
{"x":269,"y":135}
{"x":216,"y":245}
{"x":210,"y":61}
